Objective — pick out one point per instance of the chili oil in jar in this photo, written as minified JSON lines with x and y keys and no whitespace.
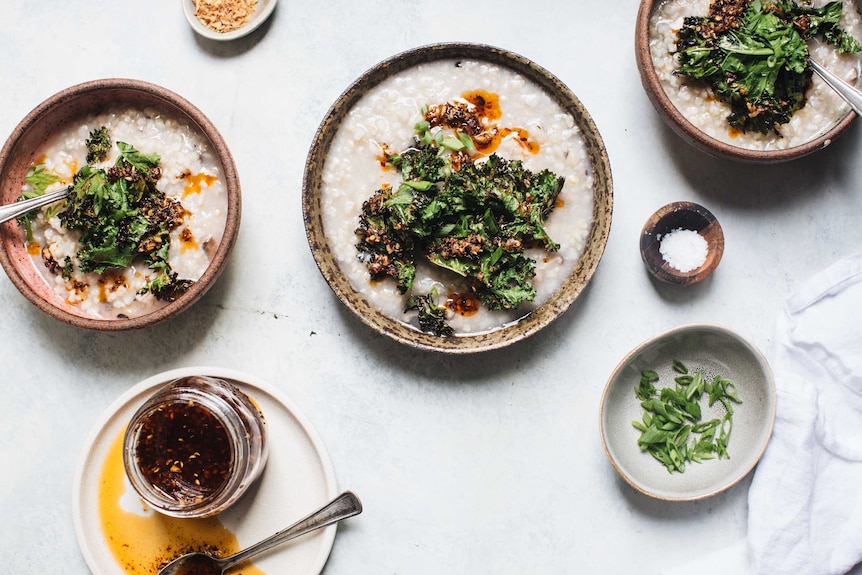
{"x":195,"y":446}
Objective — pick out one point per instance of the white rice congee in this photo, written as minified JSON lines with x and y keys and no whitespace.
{"x":387,"y":115}
{"x":823,"y":109}
{"x":191,"y":173}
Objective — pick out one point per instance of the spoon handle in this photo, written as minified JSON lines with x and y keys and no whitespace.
{"x":345,"y":505}
{"x":850,"y":94}
{"x":11,"y":211}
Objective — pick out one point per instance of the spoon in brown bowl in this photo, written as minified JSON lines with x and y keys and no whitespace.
{"x":850,"y":94}
{"x":15,"y":209}
{"x":345,"y":505}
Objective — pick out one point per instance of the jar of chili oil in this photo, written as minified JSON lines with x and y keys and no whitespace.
{"x":195,"y":446}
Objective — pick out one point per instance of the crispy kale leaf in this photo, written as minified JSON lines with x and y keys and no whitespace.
{"x":472,"y":218}
{"x":754,"y":56}
{"x":432,"y":317}
{"x":98,"y":145}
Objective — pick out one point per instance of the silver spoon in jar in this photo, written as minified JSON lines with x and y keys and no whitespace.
{"x":850,"y":94}
{"x":13,"y":210}
{"x":345,"y":505}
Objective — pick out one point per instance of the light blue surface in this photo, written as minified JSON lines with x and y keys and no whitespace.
{"x":482,"y":464}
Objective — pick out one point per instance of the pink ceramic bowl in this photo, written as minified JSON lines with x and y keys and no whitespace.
{"x":20,"y":151}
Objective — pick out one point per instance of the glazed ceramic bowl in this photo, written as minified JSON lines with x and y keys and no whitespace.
{"x":54,"y":114}
{"x":717,"y":351}
{"x":262,"y":10}
{"x":321,"y":243}
{"x":690,"y":217}
{"x":721,"y":145}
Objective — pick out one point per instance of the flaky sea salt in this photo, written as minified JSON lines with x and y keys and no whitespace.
{"x":683,"y":250}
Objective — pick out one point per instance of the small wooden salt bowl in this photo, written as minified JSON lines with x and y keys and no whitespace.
{"x":686,"y":216}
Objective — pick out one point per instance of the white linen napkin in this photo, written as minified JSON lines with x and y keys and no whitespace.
{"x":805,"y":500}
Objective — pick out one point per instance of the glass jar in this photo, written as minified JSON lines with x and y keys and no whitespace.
{"x":195,"y":446}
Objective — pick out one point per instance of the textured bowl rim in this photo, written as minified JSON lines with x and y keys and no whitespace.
{"x":693,"y":135}
{"x":530,"y":323}
{"x":177,"y":104}
{"x":623,"y":363}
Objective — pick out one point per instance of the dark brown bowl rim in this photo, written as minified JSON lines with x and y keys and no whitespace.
{"x":530,"y":323}
{"x":693,"y":135}
{"x":179,"y":105}
{"x":658,"y":224}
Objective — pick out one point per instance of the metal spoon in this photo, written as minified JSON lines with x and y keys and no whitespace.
{"x":344,"y":506}
{"x":16,"y":209}
{"x":850,"y":94}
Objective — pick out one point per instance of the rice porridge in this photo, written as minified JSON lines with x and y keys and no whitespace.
{"x":822,"y":111}
{"x":385,"y":119}
{"x":190,"y":174}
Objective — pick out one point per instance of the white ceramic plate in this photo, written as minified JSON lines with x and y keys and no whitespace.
{"x":298,"y":479}
{"x":262,"y":12}
{"x":717,"y":351}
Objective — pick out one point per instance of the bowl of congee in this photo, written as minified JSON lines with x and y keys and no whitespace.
{"x":148,"y":209}
{"x":457,"y":197}
{"x":733,"y":77}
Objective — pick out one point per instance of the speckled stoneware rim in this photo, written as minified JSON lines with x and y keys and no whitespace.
{"x":539,"y":318}
{"x":694,"y":136}
{"x":619,"y":407}
{"x":20,"y":150}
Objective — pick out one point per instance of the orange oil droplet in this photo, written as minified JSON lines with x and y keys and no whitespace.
{"x":34,"y":249}
{"x":187,"y":240}
{"x":195,"y":183}
{"x":487,"y":103}
{"x":465,"y":304}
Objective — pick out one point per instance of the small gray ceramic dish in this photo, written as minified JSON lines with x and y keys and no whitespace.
{"x":400,"y":331}
{"x":262,"y":11}
{"x":717,"y":351}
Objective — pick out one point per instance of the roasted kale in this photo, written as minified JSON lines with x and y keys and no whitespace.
{"x":474,"y":218}
{"x":432,"y":317}
{"x":754,"y":56}
{"x":98,"y":145}
{"x":122,"y":215}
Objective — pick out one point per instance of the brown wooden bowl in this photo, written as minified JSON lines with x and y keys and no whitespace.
{"x":686,"y":216}
{"x":693,"y":135}
{"x":21,"y":149}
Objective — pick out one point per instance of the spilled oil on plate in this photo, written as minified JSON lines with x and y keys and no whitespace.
{"x":143,"y":540}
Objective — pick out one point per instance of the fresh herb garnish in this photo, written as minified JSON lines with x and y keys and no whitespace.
{"x":39,"y":181}
{"x":754,"y":56}
{"x":473,"y":218}
{"x":672,"y":428}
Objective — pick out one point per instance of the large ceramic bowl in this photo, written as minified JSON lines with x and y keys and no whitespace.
{"x":715,"y":137}
{"x":319,"y":237}
{"x":715,"y":350}
{"x":54,"y":114}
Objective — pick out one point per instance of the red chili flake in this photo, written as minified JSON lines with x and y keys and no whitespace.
{"x":184,"y":451}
